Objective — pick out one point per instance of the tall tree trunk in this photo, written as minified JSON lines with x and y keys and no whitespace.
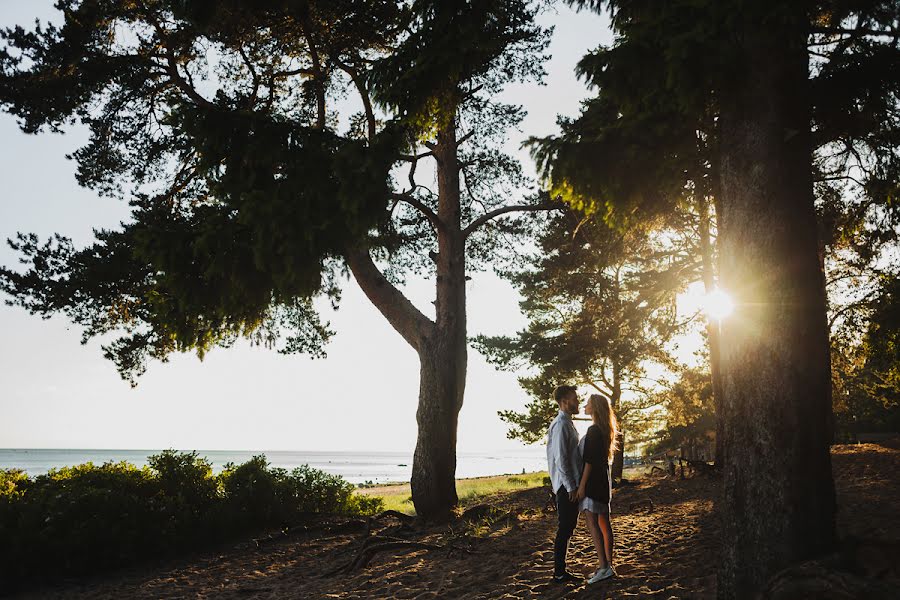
{"x":712,"y":325}
{"x":443,"y":357}
{"x":440,"y":344}
{"x":778,"y":499}
{"x":618,"y":464}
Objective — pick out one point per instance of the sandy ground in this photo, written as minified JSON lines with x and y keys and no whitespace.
{"x":666,"y":547}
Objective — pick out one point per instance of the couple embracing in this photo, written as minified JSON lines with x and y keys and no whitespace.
{"x":580,"y":476}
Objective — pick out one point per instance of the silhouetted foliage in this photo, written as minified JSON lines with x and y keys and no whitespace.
{"x":88,"y":518}
{"x":601,"y":308}
{"x":689,"y":411}
{"x":867,"y":397}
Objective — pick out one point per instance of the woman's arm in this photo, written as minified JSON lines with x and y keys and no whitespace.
{"x":582,"y":486}
{"x":590,"y":451}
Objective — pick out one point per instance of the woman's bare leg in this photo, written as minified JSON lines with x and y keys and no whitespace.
{"x":605,"y":529}
{"x":590,"y":519}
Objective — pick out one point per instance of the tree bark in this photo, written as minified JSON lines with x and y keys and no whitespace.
{"x":778,"y":499}
{"x":441,"y":388}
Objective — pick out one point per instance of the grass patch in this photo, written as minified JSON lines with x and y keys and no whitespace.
{"x":397,"y":496}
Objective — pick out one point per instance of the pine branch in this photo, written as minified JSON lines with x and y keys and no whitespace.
{"x":856,"y":32}
{"x":435,"y":220}
{"x":505,"y":210}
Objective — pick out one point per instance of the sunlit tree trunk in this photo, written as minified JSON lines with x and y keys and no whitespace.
{"x":712,"y":325}
{"x":618,"y":465}
{"x":778,"y":499}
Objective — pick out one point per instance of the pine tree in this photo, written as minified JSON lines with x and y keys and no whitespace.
{"x":220,"y":122}
{"x":601,"y":309}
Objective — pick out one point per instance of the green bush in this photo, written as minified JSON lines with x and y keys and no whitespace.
{"x":89,"y":518}
{"x":186,"y":497}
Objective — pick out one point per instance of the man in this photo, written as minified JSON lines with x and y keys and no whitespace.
{"x":565,"y":470}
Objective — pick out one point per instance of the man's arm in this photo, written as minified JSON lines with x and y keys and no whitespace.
{"x":565,"y":446}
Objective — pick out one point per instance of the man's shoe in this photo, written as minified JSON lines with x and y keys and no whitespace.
{"x":601,"y":574}
{"x":565,"y":578}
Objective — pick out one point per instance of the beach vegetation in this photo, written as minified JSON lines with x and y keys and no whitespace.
{"x":90,"y":518}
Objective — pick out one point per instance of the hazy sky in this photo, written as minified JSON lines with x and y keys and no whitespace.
{"x":54,"y":392}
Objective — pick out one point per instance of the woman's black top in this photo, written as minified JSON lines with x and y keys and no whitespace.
{"x":596,"y":452}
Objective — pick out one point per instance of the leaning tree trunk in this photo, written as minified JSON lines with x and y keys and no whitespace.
{"x":443,"y":356}
{"x":778,"y":500}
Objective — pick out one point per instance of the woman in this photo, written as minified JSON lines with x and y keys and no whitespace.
{"x":597,"y":448}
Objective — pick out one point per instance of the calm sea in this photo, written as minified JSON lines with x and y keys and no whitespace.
{"x":355,"y":467}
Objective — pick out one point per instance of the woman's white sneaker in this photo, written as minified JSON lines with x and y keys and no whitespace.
{"x":601,"y":574}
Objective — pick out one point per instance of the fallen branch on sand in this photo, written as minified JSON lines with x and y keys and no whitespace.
{"x":325,"y":525}
{"x":378,"y":543}
{"x":481,"y":512}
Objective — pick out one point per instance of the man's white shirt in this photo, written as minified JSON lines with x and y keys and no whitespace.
{"x":563,"y":461}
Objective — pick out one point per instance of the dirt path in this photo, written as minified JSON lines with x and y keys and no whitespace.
{"x":667,"y":549}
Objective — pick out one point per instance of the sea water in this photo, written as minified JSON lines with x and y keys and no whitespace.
{"x":355,"y":467}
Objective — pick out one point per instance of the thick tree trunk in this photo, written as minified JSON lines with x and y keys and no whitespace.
{"x":778,"y":499}
{"x":441,"y":388}
{"x":712,"y":325}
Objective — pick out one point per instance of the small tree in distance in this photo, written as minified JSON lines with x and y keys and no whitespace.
{"x":601,"y":309}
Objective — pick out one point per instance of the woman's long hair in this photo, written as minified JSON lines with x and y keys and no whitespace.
{"x":604,"y":418}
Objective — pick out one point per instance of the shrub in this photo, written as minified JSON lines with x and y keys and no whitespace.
{"x":81,"y":518}
{"x":251,"y":494}
{"x":89,"y":518}
{"x":187,"y":493}
{"x":365,"y":505}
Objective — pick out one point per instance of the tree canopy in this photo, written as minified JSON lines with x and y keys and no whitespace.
{"x":224,"y":125}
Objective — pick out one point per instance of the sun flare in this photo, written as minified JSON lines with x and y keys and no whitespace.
{"x":718,"y":305}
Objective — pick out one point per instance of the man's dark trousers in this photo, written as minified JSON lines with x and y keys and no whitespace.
{"x":568,"y":518}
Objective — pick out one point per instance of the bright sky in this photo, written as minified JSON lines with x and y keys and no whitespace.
{"x":56,"y":393}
